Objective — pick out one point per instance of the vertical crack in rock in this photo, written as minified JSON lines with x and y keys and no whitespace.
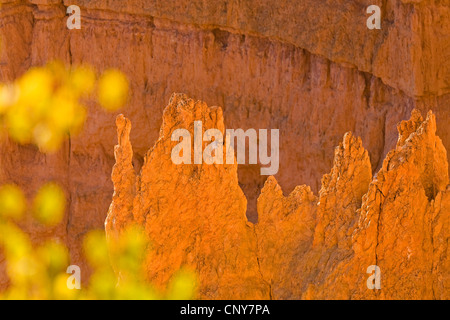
{"x":69,"y":182}
{"x":269,"y":284}
{"x":401,"y":200}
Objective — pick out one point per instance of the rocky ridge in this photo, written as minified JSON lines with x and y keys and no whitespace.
{"x":303,"y":245}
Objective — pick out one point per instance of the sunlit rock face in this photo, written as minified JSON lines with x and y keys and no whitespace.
{"x":303,"y":246}
{"x":309,"y":68}
{"x":193,"y":214}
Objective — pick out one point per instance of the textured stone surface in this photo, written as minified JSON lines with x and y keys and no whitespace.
{"x":303,"y":246}
{"x":400,"y":54}
{"x":193,"y":214}
{"x":403,"y":224}
{"x":309,"y":68}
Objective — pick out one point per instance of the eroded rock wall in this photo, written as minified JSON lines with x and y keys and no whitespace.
{"x":303,"y":246}
{"x":309,"y":68}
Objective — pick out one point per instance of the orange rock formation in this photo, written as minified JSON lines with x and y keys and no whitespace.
{"x":308,"y":67}
{"x":302,"y":246}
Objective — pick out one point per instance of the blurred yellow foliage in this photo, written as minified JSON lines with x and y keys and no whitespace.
{"x":49,"y":204}
{"x":43,"y":107}
{"x":127,"y":281}
{"x":39,"y":271}
{"x":183,"y":285}
{"x":112,"y":89}
{"x":12,"y":202}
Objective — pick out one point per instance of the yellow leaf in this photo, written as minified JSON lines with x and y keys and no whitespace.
{"x":12,"y":202}
{"x":112,"y":90}
{"x":49,"y":204}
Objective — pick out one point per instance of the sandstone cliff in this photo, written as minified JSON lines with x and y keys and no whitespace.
{"x":310,"y":68}
{"x":303,"y":246}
